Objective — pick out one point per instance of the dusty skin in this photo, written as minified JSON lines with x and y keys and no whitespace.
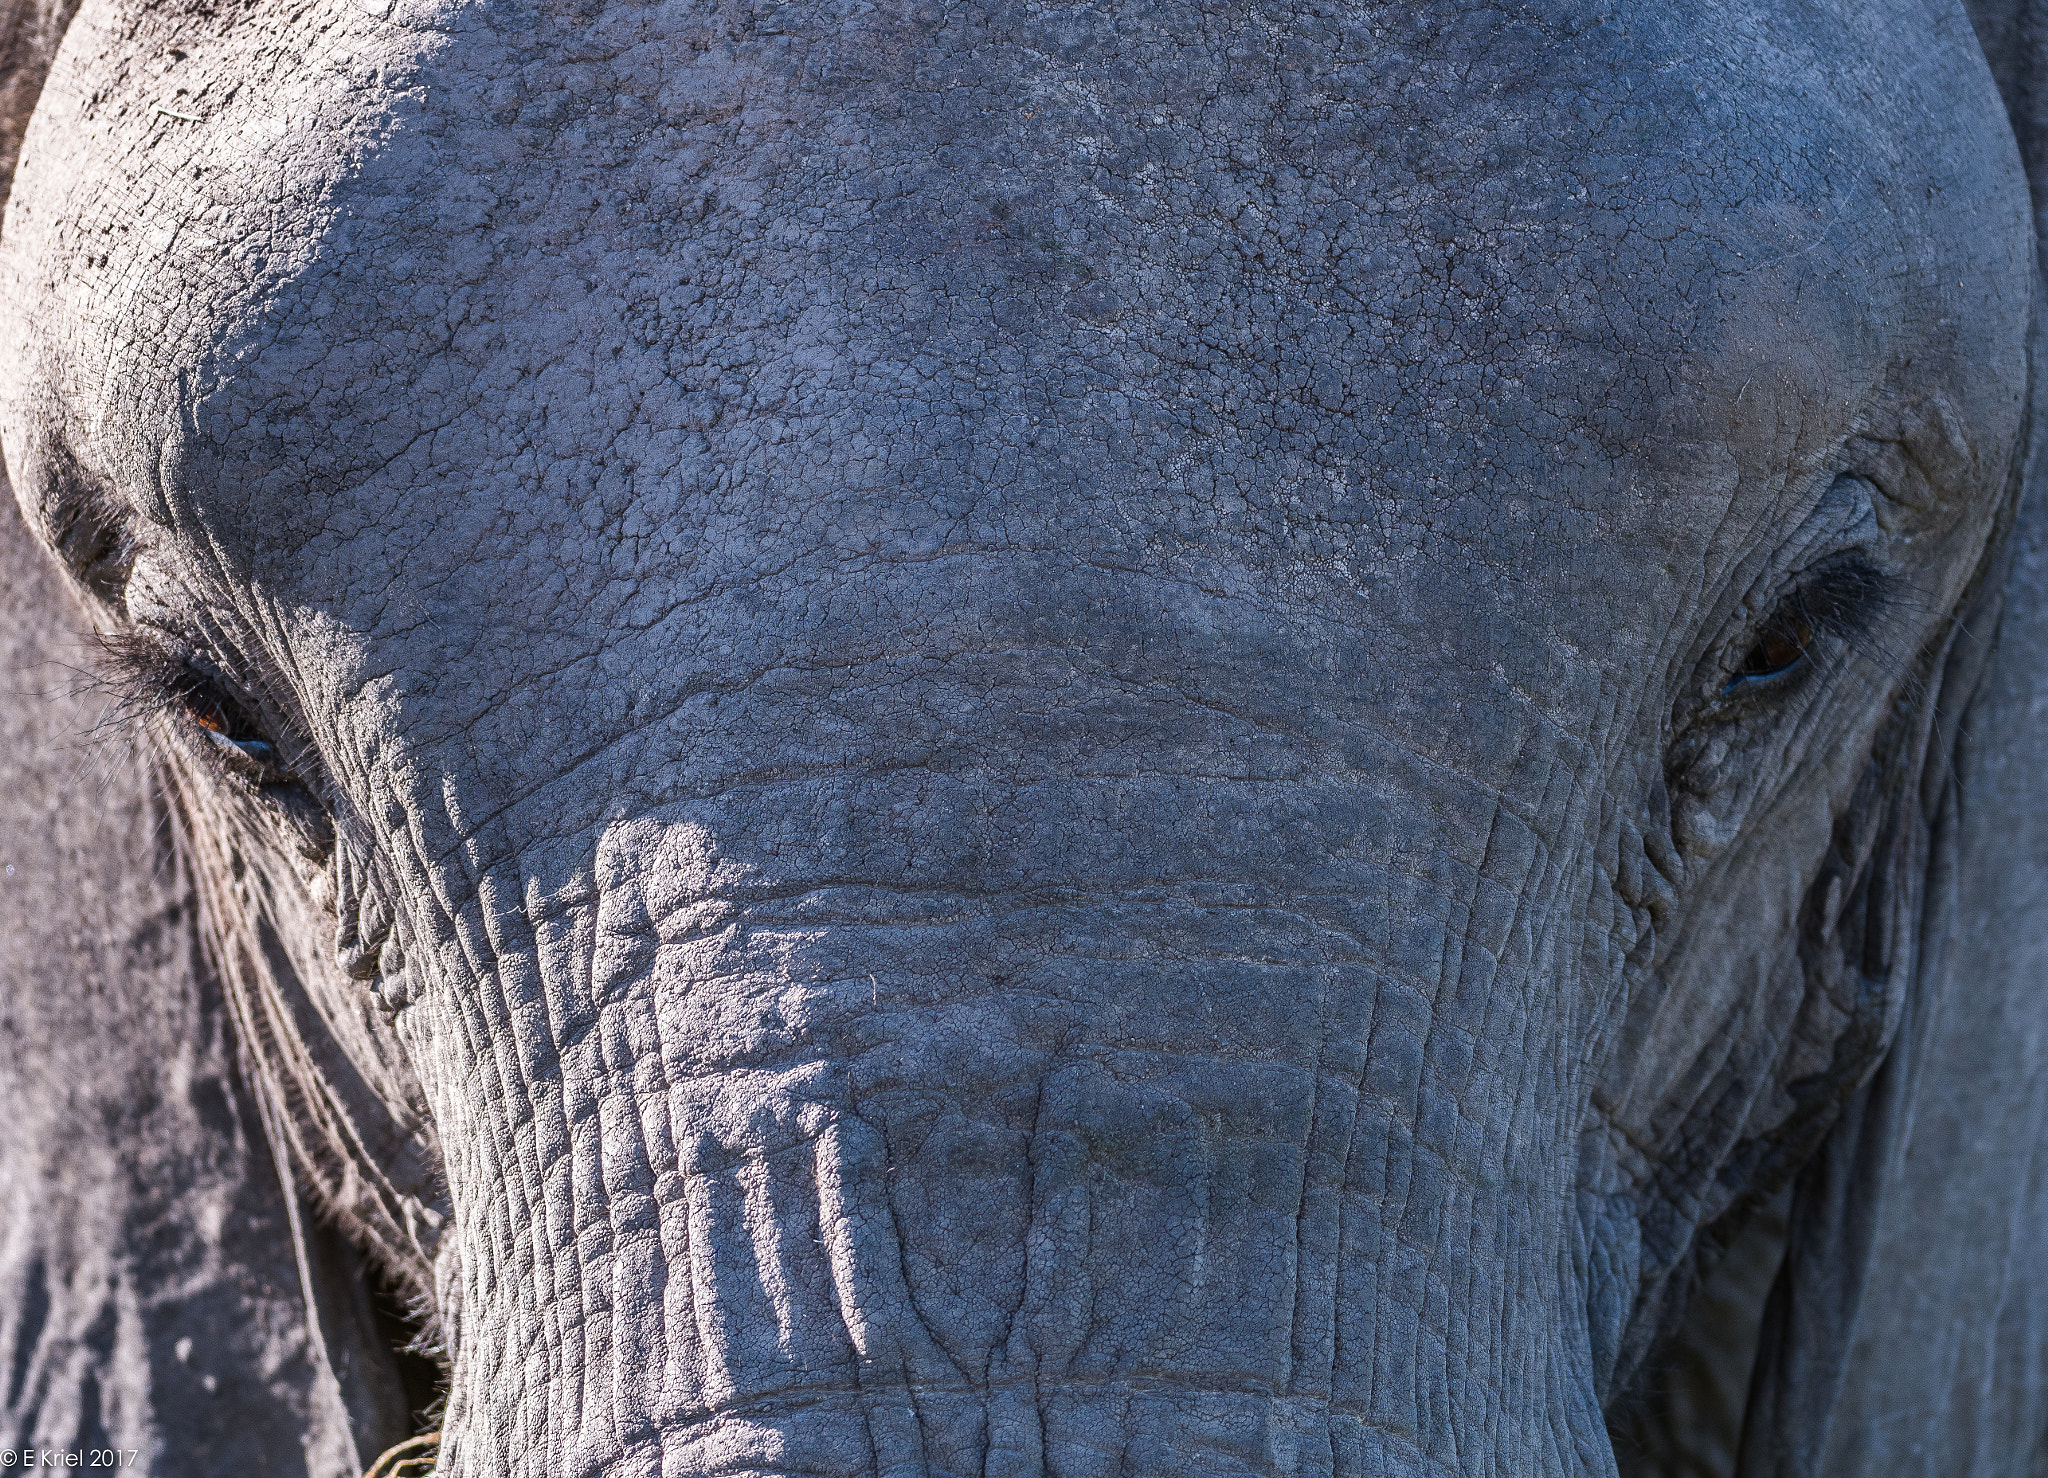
{"x":910,"y":740}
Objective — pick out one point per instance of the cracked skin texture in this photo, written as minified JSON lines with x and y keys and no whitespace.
{"x":1006,"y":725}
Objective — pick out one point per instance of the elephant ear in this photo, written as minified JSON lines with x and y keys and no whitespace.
{"x":161,"y":1288}
{"x":1907,"y":1332}
{"x":30,"y":31}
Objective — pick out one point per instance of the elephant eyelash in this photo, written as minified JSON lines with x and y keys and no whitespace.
{"x":148,"y":679}
{"x":92,"y":533}
{"x":1839,"y":602}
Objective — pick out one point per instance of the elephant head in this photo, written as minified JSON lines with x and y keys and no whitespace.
{"x":1031,"y":739}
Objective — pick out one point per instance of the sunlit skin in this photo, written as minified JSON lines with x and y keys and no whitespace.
{"x":1004,"y":741}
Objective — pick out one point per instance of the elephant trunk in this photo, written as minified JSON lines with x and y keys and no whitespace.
{"x":811,"y":1130}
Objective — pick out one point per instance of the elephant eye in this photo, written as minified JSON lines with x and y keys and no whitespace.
{"x":1838,"y":601}
{"x":147,"y":678}
{"x":226,"y":724}
{"x":1782,"y":647}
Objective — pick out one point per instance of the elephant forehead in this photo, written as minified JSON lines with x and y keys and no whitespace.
{"x":652,"y":298}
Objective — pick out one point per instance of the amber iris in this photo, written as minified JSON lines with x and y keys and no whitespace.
{"x":1778,"y":649}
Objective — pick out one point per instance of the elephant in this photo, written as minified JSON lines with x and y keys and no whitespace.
{"x":1067,"y":737}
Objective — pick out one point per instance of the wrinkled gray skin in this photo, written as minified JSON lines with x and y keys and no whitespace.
{"x":1006,"y":740}
{"x":151,"y":1295}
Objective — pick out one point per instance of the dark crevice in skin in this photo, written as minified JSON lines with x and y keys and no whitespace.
{"x":33,"y":1312}
{"x":1685,"y":1415}
{"x":407,"y":1330}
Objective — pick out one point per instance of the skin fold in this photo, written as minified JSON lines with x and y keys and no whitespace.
{"x":1018,"y":740}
